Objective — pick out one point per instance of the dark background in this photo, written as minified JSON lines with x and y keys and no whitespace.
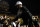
{"x":32,"y":5}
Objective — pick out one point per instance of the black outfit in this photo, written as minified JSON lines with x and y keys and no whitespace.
{"x":25,"y":15}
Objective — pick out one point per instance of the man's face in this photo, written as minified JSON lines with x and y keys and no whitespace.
{"x":20,"y":5}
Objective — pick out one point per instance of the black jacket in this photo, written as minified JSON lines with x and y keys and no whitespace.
{"x":25,"y":15}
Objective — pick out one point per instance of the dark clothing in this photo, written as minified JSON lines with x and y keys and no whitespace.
{"x":24,"y":15}
{"x":4,"y":24}
{"x":2,"y":21}
{"x":35,"y":23}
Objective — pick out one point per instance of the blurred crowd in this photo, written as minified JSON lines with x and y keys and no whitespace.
{"x":7,"y":22}
{"x":35,"y":21}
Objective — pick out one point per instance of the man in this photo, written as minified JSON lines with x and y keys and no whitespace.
{"x":22,"y":12}
{"x":4,"y":21}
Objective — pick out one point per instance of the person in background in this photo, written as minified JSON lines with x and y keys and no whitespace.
{"x":3,"y":21}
